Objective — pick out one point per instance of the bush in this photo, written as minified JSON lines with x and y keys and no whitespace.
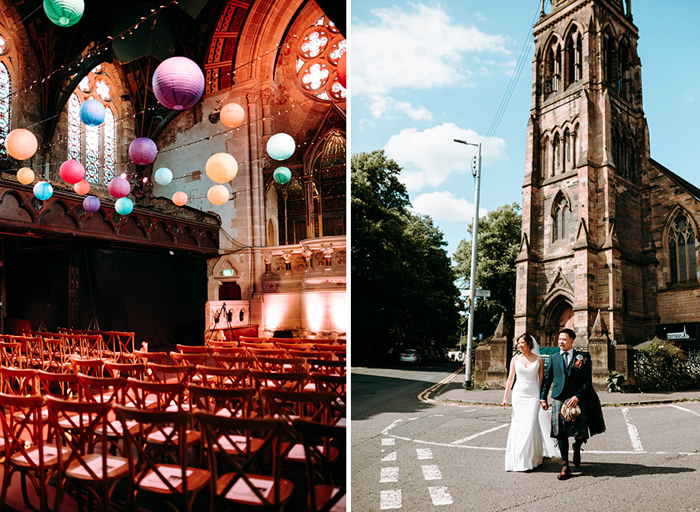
{"x":614,"y":380}
{"x":662,"y":367}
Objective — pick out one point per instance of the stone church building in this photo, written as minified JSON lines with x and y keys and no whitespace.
{"x":607,"y":231}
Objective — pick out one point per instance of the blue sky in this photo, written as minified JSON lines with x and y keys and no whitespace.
{"x":425,"y":73}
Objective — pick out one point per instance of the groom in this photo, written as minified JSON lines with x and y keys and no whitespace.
{"x":570,"y":372}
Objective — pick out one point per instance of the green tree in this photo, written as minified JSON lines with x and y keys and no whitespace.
{"x":497,"y":247}
{"x":403,"y":291}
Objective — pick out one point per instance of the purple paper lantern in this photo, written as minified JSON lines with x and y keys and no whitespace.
{"x":178,"y":83}
{"x":143,"y":151}
{"x":91,"y":204}
{"x":119,"y":187}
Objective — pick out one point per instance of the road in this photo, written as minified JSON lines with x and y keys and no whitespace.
{"x":417,"y":455}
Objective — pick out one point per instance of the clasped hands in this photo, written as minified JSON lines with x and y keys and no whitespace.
{"x":571,"y":402}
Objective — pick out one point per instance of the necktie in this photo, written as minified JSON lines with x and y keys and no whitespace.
{"x":566,"y":359}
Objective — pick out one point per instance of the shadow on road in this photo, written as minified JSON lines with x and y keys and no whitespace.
{"x":600,"y":469}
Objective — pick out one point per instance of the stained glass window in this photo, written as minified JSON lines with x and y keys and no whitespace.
{"x":318,"y":52}
{"x":4,"y":104}
{"x":74,"y":128}
{"x":92,"y":154}
{"x":110,"y":138}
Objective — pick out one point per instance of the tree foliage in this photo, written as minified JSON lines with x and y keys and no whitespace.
{"x":403,"y":291}
{"x":498,"y":245}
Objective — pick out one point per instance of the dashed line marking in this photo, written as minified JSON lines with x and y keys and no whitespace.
{"x":460,"y":441}
{"x":390,"y":499}
{"x":431,"y":472}
{"x":389,"y":475}
{"x":388,"y":441}
{"x":632,"y":431}
{"x":686,"y":410}
{"x":387,"y":429}
{"x":440,"y":496}
{"x":424,"y":453}
{"x":390,"y":457}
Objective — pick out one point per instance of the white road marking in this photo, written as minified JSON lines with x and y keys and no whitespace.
{"x":387,"y":429}
{"x":440,"y":496}
{"x":460,"y":441}
{"x":388,"y":441}
{"x":389,"y":475}
{"x":632,"y":431}
{"x":431,"y":472}
{"x":389,"y":457}
{"x":424,"y":453}
{"x":686,"y":410}
{"x":390,"y":499}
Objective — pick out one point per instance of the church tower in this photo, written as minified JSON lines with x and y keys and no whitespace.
{"x":586,"y":190}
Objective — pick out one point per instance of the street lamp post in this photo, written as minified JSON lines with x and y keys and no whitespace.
{"x":472,"y":285}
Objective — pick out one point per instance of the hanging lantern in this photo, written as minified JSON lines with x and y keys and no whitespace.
{"x":72,"y":172}
{"x":232,"y":115}
{"x":221,"y":168}
{"x":21,"y":144}
{"x":91,"y":204}
{"x":92,"y":113}
{"x":25,"y":175}
{"x":282,"y":175}
{"x":342,"y":70}
{"x":178,"y":83}
{"x":143,"y":151}
{"x":179,"y":198}
{"x":218,"y":195}
{"x":281,"y":146}
{"x":163,"y":176}
{"x":43,"y":190}
{"x":64,"y":13}
{"x":119,"y":187}
{"x":81,"y":188}
{"x":124,"y":206}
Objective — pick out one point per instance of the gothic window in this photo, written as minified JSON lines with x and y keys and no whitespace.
{"x":573,"y":55}
{"x":317,"y":56}
{"x":566,"y":151}
{"x":610,"y":61}
{"x":553,"y":68}
{"x":624,"y":71}
{"x":560,"y":218}
{"x":545,"y":159}
{"x":5,"y":91}
{"x":682,"y":250}
{"x":556,"y":149}
{"x":574,"y":141}
{"x":94,"y":146}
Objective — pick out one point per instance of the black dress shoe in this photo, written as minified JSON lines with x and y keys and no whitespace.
{"x":577,"y":455}
{"x":565,"y":473}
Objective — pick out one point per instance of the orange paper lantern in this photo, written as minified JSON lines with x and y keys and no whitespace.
{"x":25,"y":175}
{"x":218,"y":195}
{"x":82,"y":187}
{"x":180,"y":198}
{"x":21,"y":144}
{"x":232,"y":115}
{"x":221,"y":167}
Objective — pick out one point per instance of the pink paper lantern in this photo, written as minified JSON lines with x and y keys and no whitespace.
{"x":342,"y":70}
{"x":119,"y":187}
{"x":180,"y":198}
{"x":143,"y":151}
{"x":91,"y":204}
{"x":72,"y":172}
{"x":178,"y":83}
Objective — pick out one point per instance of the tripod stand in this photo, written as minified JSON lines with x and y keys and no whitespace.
{"x":228,"y":316}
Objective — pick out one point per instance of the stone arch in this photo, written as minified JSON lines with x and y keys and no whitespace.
{"x":682,"y":256}
{"x":272,"y":211}
{"x":556,"y":312}
{"x":573,"y":54}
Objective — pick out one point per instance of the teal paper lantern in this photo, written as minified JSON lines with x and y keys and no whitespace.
{"x":43,"y":190}
{"x":281,"y":146}
{"x":124,"y":206}
{"x":163,"y":176}
{"x":92,"y":113}
{"x":282,"y":175}
{"x":64,"y":13}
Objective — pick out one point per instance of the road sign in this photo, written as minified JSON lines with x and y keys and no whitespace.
{"x":479,"y":293}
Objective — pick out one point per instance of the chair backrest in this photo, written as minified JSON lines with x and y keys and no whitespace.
{"x":191,"y":349}
{"x":170,"y":373}
{"x":267,"y":352}
{"x":283,"y":381}
{"x":151,"y":357}
{"x":231,"y":378}
{"x":230,"y":351}
{"x":329,"y":367}
{"x":322,"y":355}
{"x":17,"y":381}
{"x":335,"y":383}
{"x":157,"y":396}
{"x":258,"y":346}
{"x":281,"y":364}
{"x":223,"y":401}
{"x":91,"y":366}
{"x":298,"y":347}
{"x":226,"y":361}
{"x":92,"y":346}
{"x":101,"y":389}
{"x":11,"y":354}
{"x":189,"y":359}
{"x":23,"y":430}
{"x":214,"y":344}
{"x":310,"y":405}
{"x":252,"y":339}
{"x":135,"y":370}
{"x":61,"y":385}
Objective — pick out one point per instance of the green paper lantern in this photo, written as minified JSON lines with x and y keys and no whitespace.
{"x":282,"y":175}
{"x":64,"y":13}
{"x":124,"y":206}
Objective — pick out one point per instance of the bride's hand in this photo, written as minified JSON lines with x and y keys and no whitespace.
{"x":505,"y":403}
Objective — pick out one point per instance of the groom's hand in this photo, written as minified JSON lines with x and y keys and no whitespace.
{"x":572,"y":402}
{"x":544,"y":405}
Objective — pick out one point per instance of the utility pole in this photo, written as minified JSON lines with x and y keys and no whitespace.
{"x":476,"y":171}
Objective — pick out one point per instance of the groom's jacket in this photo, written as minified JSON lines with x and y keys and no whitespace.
{"x":567,"y":382}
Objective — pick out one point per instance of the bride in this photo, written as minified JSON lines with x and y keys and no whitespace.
{"x":528,"y":439}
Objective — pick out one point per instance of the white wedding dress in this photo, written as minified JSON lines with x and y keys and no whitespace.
{"x":528,"y":439}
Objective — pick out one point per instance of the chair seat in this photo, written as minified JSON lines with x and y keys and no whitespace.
{"x":50,"y":456}
{"x":240,"y":492}
{"x":241,"y":442}
{"x":116,"y":467}
{"x":158,"y":437}
{"x":324,"y":493}
{"x":116,"y":428}
{"x":197,"y":479}
{"x":297,"y":454}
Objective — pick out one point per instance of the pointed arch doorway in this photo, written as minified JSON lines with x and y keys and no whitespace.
{"x":558,"y":314}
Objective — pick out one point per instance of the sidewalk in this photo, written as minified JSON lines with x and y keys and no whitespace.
{"x":454,"y":392}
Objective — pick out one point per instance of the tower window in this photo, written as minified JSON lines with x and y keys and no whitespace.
{"x":560,"y":218}
{"x":682,"y":250}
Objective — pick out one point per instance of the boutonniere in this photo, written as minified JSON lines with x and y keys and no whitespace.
{"x":579,"y":362}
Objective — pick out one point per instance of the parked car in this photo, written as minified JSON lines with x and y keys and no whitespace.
{"x":410,"y":355}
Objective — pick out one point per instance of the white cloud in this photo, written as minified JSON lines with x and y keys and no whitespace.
{"x":445,"y":206}
{"x":382,"y":107}
{"x":690,"y":95}
{"x":420,"y":48}
{"x":428,"y":157}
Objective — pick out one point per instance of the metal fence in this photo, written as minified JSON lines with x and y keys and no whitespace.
{"x":641,"y":363}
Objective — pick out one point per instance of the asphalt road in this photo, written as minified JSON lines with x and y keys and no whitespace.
{"x":418,"y":455}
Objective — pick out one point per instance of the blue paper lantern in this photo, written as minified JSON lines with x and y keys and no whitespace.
{"x":91,"y":204}
{"x":64,"y":13}
{"x":163,"y":176}
{"x":124,"y":206}
{"x":281,"y":146}
{"x":92,"y":113}
{"x":282,"y":175}
{"x":43,"y":190}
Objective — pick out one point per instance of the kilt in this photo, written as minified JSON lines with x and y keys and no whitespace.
{"x":562,"y":428}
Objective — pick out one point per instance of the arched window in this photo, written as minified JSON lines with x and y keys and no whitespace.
{"x":5,"y":91}
{"x":573,"y":143}
{"x":317,"y":55}
{"x":556,"y":149}
{"x":682,"y":250}
{"x":554,"y":69}
{"x":624,"y":71}
{"x":560,"y":218}
{"x":566,"y":150}
{"x":545,"y":159}
{"x":610,"y":61}
{"x":94,"y":146}
{"x":573,"y":54}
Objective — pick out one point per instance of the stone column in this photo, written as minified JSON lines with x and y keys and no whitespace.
{"x":500,"y":346}
{"x":602,"y":353}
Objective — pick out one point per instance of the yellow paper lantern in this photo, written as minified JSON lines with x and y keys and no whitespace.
{"x":21,"y":144}
{"x":180,"y":198}
{"x":232,"y":115}
{"x":25,"y":175}
{"x":218,"y":195}
{"x":82,"y":187}
{"x":221,"y":168}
